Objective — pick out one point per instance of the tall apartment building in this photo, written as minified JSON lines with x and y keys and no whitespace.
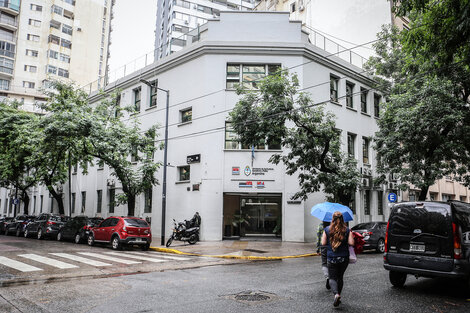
{"x":44,"y":40}
{"x":175,"y":18}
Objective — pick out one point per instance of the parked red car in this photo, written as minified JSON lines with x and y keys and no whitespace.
{"x":119,"y":231}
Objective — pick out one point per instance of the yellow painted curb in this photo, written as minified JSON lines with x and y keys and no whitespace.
{"x":166,"y":250}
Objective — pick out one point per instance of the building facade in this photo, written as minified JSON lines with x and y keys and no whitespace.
{"x":208,"y":170}
{"x":175,"y":18}
{"x":44,"y":40}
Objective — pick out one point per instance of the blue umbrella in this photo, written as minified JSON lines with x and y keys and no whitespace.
{"x":324,"y":211}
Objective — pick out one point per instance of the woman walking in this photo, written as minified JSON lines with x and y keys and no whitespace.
{"x":337,"y":237}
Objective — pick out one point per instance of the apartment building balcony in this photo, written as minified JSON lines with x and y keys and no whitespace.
{"x":8,"y":37}
{"x":6,"y":71}
{"x":8,"y":23}
{"x":10,"y":6}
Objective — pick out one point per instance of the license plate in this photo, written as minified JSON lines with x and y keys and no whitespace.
{"x":138,"y":239}
{"x":416,"y":248}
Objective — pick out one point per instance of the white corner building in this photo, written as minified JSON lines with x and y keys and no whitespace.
{"x":208,"y":171}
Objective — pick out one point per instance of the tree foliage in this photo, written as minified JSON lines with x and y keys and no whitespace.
{"x":279,"y":113}
{"x":425,"y":123}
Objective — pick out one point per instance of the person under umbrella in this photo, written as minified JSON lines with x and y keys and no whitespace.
{"x":337,"y":237}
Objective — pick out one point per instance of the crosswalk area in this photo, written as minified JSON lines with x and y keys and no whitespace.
{"x":33,"y":262}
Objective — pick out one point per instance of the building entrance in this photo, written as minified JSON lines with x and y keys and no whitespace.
{"x":252,"y":215}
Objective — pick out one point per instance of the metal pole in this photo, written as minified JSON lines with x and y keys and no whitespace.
{"x":165,"y":152}
{"x":70,"y":185}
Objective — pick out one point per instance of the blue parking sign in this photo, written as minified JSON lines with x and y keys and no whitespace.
{"x":392,"y":197}
{"x":16,"y":201}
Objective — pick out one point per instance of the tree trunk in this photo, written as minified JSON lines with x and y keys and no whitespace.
{"x":130,"y":205}
{"x":25,"y":201}
{"x":423,"y":193}
{"x":57,"y":197}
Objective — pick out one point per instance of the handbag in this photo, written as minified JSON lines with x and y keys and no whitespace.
{"x":352,"y":255}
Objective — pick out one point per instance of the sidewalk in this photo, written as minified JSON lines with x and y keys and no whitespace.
{"x":240,"y":249}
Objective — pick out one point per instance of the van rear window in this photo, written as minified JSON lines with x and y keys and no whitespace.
{"x":411,"y":220}
{"x":135,"y":222}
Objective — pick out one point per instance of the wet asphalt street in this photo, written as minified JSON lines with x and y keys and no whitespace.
{"x":199,"y":285}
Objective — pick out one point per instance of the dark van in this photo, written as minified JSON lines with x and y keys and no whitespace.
{"x":428,"y":239}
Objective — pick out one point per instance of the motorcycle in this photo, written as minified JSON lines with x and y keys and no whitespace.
{"x":186,"y":231}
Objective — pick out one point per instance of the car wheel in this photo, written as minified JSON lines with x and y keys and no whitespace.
{"x":26,"y":233}
{"x":78,"y":238}
{"x":59,"y":236}
{"x":115,"y":243}
{"x":381,"y":246}
{"x":192,"y":239}
{"x":91,"y":240}
{"x":397,"y":279}
{"x":39,"y":233}
{"x":145,"y":247}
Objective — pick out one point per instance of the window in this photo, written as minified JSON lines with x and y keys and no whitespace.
{"x":99,"y":200}
{"x":73,"y":201}
{"x":51,"y":69}
{"x":57,"y":10}
{"x":232,"y":141}
{"x":83,"y":201}
{"x":292,"y":7}
{"x":54,"y":39}
{"x":63,"y":73}
{"x":54,"y":24}
{"x":7,"y":49}
{"x":334,"y":88}
{"x":364,"y":93}
{"x":27,"y":84}
{"x":251,"y":74}
{"x":35,"y":7}
{"x":34,"y":204}
{"x":32,"y":53}
{"x":349,"y":95}
{"x":377,"y":105}
{"x":30,"y":68}
{"x":351,"y":139}
{"x":153,"y":94}
{"x":183,"y":173}
{"x":137,"y":93}
{"x":32,"y":37}
{"x":6,"y":65}
{"x":67,"y":29}
{"x":186,"y":115}
{"x":41,"y":203}
{"x":380,"y":202}
{"x":365,"y":150}
{"x":53,"y":54}
{"x":64,"y":58}
{"x":112,"y":194}
{"x":367,"y":202}
{"x":66,"y":43}
{"x":4,"y":84}
{"x":35,"y":23}
{"x":148,"y":201}
{"x":72,"y":2}
{"x":134,"y":154}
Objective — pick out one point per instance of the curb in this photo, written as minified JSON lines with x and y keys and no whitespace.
{"x":240,"y":257}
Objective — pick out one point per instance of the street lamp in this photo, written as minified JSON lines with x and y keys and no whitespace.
{"x":165,"y":153}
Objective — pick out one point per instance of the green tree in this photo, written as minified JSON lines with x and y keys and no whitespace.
{"x":423,"y":129}
{"x":122,"y":146}
{"x":16,"y":130}
{"x":279,"y":113}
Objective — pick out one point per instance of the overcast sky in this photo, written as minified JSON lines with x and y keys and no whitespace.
{"x":356,"y":21}
{"x":133,"y":31}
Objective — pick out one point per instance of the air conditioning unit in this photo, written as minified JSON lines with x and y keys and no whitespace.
{"x":366,"y":182}
{"x":301,"y":7}
{"x":110,"y":183}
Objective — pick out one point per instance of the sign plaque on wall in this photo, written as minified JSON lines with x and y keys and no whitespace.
{"x":195,"y":158}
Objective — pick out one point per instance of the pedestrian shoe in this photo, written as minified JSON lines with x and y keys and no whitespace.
{"x":328,"y":284}
{"x":337,"y":300}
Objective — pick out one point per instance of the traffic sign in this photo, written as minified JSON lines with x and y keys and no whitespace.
{"x":16,"y":201}
{"x":392,"y":197}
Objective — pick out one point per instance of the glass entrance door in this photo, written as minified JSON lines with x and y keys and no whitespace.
{"x":263,"y":215}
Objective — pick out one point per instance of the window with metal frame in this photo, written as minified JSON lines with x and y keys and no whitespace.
{"x":380,"y":202}
{"x":364,"y":93}
{"x":186,"y":115}
{"x":148,"y":200}
{"x":334,"y":88}
{"x":377,"y":105}
{"x":365,"y":150}
{"x":137,"y":94}
{"x":99,"y":200}
{"x":349,"y":95}
{"x":248,"y":75}
{"x":153,"y":94}
{"x":351,"y":144}
{"x":184,"y":173}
